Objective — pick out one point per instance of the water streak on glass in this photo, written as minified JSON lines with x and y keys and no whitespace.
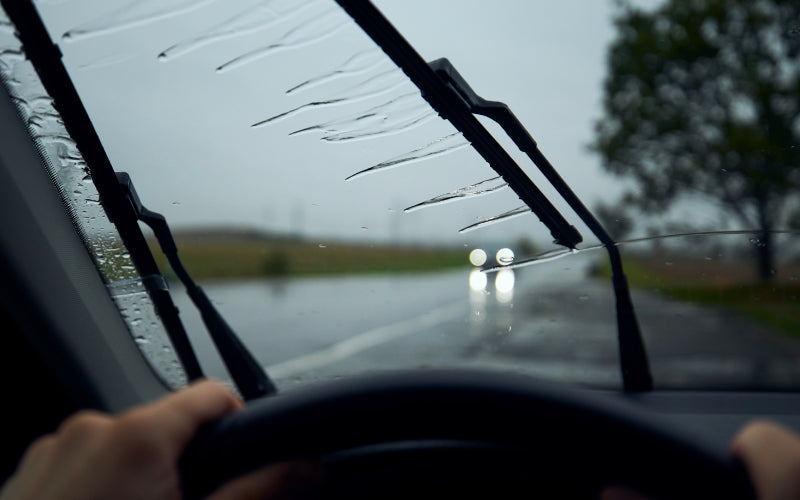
{"x":106,"y":61}
{"x":251,"y":20}
{"x":439,"y":147}
{"x":563,"y":252}
{"x":372,"y":87}
{"x":516,"y":212}
{"x":548,"y":256}
{"x":135,"y":13}
{"x":68,"y":170}
{"x":394,"y":110}
{"x":390,"y":125}
{"x":309,"y":32}
{"x":478,"y":189}
{"x":357,"y":64}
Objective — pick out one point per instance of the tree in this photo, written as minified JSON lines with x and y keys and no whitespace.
{"x":703,"y":96}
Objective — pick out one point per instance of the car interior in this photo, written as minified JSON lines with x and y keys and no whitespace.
{"x":72,"y":342}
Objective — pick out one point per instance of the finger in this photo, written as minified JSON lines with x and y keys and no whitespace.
{"x":30,"y":470}
{"x":772,"y":456}
{"x":183,"y":412}
{"x":38,"y":451}
{"x":276,"y":481}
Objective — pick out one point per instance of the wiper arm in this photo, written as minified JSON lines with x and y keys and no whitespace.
{"x":633,"y":357}
{"x":451,"y":106}
{"x":450,"y":95}
{"x":46,"y":59}
{"x":120,"y":201}
{"x":248,"y":375}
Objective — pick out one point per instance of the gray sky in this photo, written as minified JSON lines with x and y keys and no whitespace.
{"x":183,"y":130}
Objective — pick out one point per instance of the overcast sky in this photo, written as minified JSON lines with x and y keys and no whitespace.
{"x":183,"y":130}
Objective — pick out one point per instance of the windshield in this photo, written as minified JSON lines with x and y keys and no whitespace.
{"x":341,"y":225}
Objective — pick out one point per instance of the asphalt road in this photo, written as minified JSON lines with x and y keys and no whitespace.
{"x":556,"y":322}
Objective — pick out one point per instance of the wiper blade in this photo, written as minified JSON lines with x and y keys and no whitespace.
{"x":248,"y":375}
{"x":451,"y":106}
{"x":124,"y":209}
{"x":46,"y":59}
{"x":450,"y":95}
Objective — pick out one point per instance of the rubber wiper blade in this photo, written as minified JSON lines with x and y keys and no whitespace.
{"x":450,"y":95}
{"x":120,"y":201}
{"x":46,"y":59}
{"x":248,"y":375}
{"x":452,"y":107}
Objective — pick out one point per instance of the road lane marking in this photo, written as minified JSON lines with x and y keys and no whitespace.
{"x":365,"y":340}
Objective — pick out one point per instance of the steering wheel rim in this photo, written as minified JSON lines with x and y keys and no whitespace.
{"x":569,"y":432}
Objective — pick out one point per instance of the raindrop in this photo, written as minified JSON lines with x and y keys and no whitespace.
{"x":583,"y":298}
{"x":668,"y":263}
{"x":322,"y":245}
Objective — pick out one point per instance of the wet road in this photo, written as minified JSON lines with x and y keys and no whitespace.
{"x":553,"y":321}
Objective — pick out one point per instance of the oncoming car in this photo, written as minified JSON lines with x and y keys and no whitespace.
{"x":394,"y":275}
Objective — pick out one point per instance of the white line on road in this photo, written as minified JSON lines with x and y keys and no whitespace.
{"x":365,"y":340}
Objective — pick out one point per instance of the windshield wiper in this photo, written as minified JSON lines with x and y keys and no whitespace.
{"x":450,"y":95}
{"x":123,"y":207}
{"x":248,"y":375}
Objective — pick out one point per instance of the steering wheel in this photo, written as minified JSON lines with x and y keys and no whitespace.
{"x":461,"y":434}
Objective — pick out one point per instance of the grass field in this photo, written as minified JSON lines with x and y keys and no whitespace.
{"x":728,"y":284}
{"x":232,"y":258}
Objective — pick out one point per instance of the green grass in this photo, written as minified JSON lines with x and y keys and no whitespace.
{"x":775,"y":304}
{"x":235,"y":259}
